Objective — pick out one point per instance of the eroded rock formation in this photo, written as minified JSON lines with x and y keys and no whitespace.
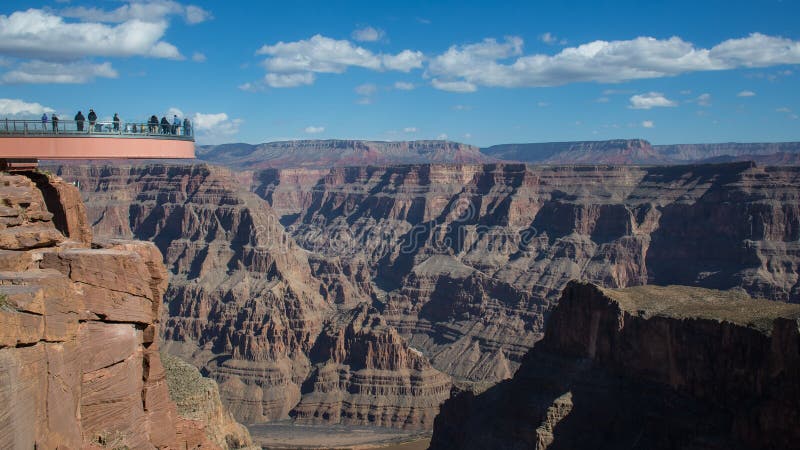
{"x":463,"y":261}
{"x":645,"y":367}
{"x":79,"y":326}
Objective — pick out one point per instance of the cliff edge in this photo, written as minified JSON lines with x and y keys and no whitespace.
{"x":644,"y":367}
{"x":79,"y":327}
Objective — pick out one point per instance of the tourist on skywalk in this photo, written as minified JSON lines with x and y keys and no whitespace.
{"x":176,"y":123}
{"x":153,"y":123}
{"x":116,"y":123}
{"x":92,"y":120}
{"x":54,"y":118}
{"x":187,"y":127}
{"x":164,"y":125}
{"x":79,"y":119}
{"x":44,"y":121}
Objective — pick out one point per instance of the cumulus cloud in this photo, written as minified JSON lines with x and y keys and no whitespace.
{"x":38,"y":34}
{"x":650,"y":100}
{"x":321,"y":54}
{"x":39,"y":72}
{"x":404,"y":86}
{"x":648,"y":124}
{"x":16,"y":107}
{"x":501,"y":64}
{"x":746,"y":94}
{"x":198,"y":57}
{"x":148,"y":11}
{"x":173,"y":111}
{"x":215,"y":127}
{"x":314,"y":130}
{"x":367,"y":34}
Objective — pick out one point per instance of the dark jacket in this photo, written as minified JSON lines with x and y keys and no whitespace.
{"x":79,"y":117}
{"x":92,"y":116}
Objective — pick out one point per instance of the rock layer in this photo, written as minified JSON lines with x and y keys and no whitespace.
{"x":79,"y":363}
{"x":463,"y":261}
{"x":650,"y":367}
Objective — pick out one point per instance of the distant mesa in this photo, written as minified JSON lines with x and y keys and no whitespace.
{"x":324,"y":154}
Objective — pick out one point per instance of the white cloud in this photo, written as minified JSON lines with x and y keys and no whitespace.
{"x":39,"y":72}
{"x":783,"y":109}
{"x":704,"y":100}
{"x":404,"y":86}
{"x":648,"y":124}
{"x":467,"y":135}
{"x":542,"y":104}
{"x":198,"y":57}
{"x":364,"y":101}
{"x":442,"y":137}
{"x":321,"y":54}
{"x":410,"y":130}
{"x":602,"y":100}
{"x":548,"y":38}
{"x":454,"y":86}
{"x":38,"y":34}
{"x":215,"y":128}
{"x":483,"y":64}
{"x":16,"y":107}
{"x":147,"y":11}
{"x":650,"y":100}
{"x":404,"y":61}
{"x":746,"y":94}
{"x":368,"y":34}
{"x":314,"y":130}
{"x":462,"y":107}
{"x":288,"y":80}
{"x":366,"y":89}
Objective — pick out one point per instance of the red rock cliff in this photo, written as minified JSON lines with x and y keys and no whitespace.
{"x":79,"y":324}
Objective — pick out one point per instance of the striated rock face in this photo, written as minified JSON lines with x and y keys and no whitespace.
{"x":248,"y":305}
{"x":312,"y":154}
{"x":644,"y":367}
{"x":79,"y":363}
{"x":365,"y":373}
{"x":464,"y":261}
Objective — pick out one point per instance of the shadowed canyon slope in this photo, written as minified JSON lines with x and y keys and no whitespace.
{"x":79,"y":325}
{"x":645,"y":367}
{"x":325,"y":294}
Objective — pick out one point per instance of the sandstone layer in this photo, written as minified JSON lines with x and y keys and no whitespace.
{"x":79,"y":327}
{"x":246,"y":306}
{"x":645,"y":367}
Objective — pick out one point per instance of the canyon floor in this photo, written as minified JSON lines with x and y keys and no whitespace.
{"x":281,"y":435}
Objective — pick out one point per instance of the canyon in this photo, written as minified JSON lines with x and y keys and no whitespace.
{"x":644,"y":367}
{"x":80,"y":320}
{"x":365,"y":295}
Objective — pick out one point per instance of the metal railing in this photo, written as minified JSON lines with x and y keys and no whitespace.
{"x":67,"y":128}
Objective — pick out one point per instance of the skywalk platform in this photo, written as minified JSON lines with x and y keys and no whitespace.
{"x":24,"y":142}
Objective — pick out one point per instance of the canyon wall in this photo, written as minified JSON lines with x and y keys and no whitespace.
{"x":79,"y":326}
{"x":644,"y":367}
{"x":460,"y":264}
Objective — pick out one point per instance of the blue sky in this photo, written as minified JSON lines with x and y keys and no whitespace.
{"x":474,"y":72}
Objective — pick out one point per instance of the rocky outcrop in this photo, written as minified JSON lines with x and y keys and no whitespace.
{"x":197,"y":399}
{"x":311,"y":154}
{"x":79,"y":363}
{"x":644,"y":367}
{"x":366,"y":374}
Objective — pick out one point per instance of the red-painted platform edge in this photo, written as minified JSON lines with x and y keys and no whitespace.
{"x":95,"y":148}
